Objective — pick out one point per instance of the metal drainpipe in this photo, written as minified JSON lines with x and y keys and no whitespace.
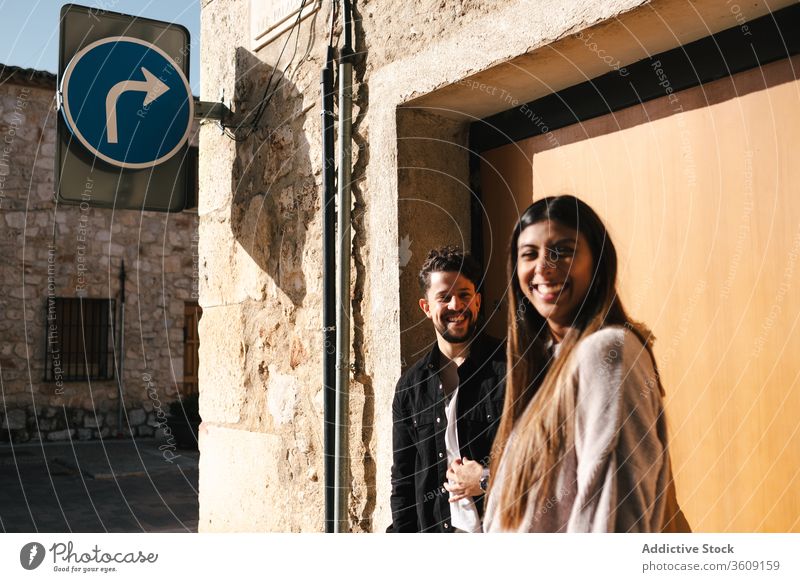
{"x":329,"y":288}
{"x":343,"y":287}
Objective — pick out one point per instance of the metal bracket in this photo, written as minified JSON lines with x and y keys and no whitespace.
{"x":215,"y":110}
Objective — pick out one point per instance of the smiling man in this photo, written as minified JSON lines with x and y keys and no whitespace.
{"x":447,"y":406}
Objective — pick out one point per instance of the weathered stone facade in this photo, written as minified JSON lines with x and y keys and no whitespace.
{"x":424,"y":70}
{"x":50,"y":250}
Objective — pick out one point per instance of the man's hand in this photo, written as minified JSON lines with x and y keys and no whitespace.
{"x":464,"y":479}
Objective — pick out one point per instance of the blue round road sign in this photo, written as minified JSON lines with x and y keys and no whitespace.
{"x":127,"y":102}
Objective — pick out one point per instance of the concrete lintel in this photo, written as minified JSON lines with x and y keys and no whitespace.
{"x":567,"y":54}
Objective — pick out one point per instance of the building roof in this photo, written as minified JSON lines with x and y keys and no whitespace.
{"x":20,"y":76}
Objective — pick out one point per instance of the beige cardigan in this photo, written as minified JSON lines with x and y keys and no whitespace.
{"x":617,"y":475}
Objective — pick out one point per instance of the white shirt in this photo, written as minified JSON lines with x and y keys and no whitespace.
{"x":463,"y":513}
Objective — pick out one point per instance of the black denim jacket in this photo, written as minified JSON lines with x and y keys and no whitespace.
{"x":419,"y":501}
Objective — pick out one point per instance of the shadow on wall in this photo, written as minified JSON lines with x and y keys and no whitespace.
{"x":434,"y":209}
{"x":274,"y":190}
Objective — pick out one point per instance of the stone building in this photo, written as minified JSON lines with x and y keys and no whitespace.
{"x":466,"y":110}
{"x":60,"y":273}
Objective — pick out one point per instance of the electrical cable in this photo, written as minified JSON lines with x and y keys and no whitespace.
{"x":252,"y":126}
{"x":333,"y":22}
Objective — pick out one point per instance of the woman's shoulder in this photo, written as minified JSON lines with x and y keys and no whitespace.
{"x":613,"y":345}
{"x":612,"y":337}
{"x":613,"y":365}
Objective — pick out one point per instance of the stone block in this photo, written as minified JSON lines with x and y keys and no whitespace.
{"x":44,"y":163}
{"x":172,"y":264}
{"x":136,"y":416}
{"x":222,"y":363}
{"x":61,"y":435}
{"x":15,"y":219}
{"x":93,"y":421}
{"x":77,"y":416}
{"x":215,"y":157}
{"x":47,"y":149}
{"x":20,"y":436}
{"x":219,"y":277}
{"x":253,"y":476}
{"x":43,"y":218}
{"x":33,"y":410}
{"x":84,"y":434}
{"x":281,"y":396}
{"x":112,"y":419}
{"x":145,"y":431}
{"x":102,"y":433}
{"x":221,"y":21}
{"x":14,"y":420}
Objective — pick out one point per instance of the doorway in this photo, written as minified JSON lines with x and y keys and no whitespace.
{"x":698,"y":189}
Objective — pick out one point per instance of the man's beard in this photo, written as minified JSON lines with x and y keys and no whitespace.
{"x":448,"y":336}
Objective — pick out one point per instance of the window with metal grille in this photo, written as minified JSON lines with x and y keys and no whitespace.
{"x":79,"y":339}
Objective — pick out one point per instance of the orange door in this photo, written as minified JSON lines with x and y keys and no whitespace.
{"x":700,"y":191}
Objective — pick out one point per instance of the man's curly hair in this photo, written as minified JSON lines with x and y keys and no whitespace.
{"x":448,"y":259}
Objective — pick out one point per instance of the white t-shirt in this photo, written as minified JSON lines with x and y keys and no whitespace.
{"x":463,"y":513}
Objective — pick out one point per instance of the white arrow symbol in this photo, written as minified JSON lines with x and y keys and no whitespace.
{"x":152,"y":85}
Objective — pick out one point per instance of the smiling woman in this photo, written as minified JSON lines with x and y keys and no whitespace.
{"x":582,"y":443}
{"x":555,"y":271}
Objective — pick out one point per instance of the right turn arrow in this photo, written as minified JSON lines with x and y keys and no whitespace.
{"x":152,"y":85}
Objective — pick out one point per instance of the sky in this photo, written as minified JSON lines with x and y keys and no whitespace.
{"x":29,"y":29}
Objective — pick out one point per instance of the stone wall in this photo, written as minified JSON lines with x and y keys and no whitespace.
{"x":260,"y":289}
{"x":52,"y":250}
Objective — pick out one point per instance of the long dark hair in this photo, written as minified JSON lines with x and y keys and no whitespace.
{"x":540,"y":395}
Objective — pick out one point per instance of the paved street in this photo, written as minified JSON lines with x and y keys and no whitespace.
{"x":100,"y":486}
